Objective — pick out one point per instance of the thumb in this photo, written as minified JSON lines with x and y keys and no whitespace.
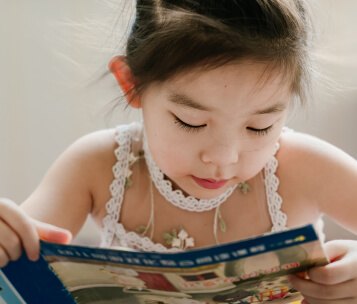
{"x":339,"y":268}
{"x":53,"y":234}
{"x":336,"y":249}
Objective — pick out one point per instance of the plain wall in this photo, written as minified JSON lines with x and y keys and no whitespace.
{"x":52,"y":56}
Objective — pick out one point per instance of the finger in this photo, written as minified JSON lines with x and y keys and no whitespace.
{"x":10,"y":242}
{"x":334,"y":273}
{"x":21,"y":224}
{"x":325,"y":292}
{"x":310,"y":300}
{"x":341,"y":268}
{"x":51,"y":233}
{"x":335,"y":249}
{"x":4,"y":258}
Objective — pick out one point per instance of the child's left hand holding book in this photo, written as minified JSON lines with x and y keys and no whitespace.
{"x":18,"y":232}
{"x":335,"y":282}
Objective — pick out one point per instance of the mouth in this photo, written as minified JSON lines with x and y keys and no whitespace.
{"x":209,"y":183}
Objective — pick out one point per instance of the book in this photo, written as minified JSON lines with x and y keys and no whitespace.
{"x":253,"y":270}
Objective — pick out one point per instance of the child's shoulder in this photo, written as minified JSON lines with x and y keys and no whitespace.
{"x":93,"y":157}
{"x":312,"y":170}
{"x":308,"y":152}
{"x":94,"y":147}
{"x":97,"y":142}
{"x":89,"y":153}
{"x":103,"y":143}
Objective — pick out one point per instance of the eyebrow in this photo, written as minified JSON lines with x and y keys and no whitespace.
{"x":278,"y":107}
{"x":184,"y":100}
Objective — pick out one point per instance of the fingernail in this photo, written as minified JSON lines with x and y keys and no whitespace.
{"x":33,"y":256}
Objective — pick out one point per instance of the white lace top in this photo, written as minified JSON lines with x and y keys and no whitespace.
{"x":114,"y":233}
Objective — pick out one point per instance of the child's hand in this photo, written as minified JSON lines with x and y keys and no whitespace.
{"x":335,"y":283}
{"x":18,"y":231}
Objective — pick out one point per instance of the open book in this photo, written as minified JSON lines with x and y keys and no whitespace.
{"x":248,"y":271}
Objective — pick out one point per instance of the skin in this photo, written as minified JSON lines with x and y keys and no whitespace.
{"x":212,"y":150}
{"x":229,"y":104}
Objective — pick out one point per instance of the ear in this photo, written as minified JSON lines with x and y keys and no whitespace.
{"x":125,"y":79}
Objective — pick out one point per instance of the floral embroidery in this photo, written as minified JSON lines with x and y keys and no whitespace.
{"x":244,"y":187}
{"x":179,"y":240}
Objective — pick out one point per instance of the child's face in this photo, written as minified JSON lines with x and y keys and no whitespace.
{"x":208,"y":130}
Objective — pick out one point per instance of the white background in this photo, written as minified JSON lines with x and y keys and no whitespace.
{"x":53,"y":54}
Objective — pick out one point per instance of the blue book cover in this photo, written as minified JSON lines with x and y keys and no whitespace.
{"x":247,"y":271}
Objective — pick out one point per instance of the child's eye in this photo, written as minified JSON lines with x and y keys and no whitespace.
{"x":186,"y":126}
{"x":263,"y":131}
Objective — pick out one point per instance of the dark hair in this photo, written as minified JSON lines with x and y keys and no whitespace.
{"x":171,"y":36}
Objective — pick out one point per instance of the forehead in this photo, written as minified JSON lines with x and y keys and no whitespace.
{"x":245,"y":75}
{"x":258,"y":83}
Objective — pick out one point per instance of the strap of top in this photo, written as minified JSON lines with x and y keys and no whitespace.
{"x":124,"y":135}
{"x":274,"y":200}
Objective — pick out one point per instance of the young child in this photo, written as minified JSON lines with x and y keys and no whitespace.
{"x":211,"y":162}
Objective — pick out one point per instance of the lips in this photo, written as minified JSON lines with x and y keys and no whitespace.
{"x":209,"y":183}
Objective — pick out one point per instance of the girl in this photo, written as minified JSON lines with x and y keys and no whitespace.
{"x":212,"y":161}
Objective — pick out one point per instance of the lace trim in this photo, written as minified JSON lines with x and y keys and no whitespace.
{"x":123,"y":136}
{"x":134,"y":240}
{"x":274,"y":200}
{"x":176,"y":197}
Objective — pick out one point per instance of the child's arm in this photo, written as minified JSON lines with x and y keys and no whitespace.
{"x":325,"y":177}
{"x":330,"y":178}
{"x":64,"y":198}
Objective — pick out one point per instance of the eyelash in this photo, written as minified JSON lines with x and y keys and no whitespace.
{"x":190,"y":128}
{"x":187,"y":127}
{"x":260,"y":132}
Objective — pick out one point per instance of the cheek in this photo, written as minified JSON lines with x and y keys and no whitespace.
{"x":173,"y":152}
{"x":173,"y":162}
{"x":253,"y":162}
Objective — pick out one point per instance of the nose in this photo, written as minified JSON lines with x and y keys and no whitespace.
{"x":220,"y":154}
